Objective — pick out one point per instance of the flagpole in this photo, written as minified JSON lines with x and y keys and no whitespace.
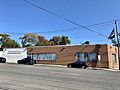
{"x":118,"y":43}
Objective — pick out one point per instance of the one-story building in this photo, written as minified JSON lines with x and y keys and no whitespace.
{"x":100,"y":56}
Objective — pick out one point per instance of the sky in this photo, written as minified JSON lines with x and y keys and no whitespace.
{"x":17,"y":17}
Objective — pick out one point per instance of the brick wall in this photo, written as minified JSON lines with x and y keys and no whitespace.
{"x":67,"y":54}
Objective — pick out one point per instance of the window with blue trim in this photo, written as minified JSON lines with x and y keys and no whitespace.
{"x":86,"y":57}
{"x":44,"y":56}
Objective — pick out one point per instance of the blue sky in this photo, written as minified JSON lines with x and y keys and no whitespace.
{"x":19,"y":17}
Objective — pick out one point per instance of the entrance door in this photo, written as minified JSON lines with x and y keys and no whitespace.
{"x":114,"y":61}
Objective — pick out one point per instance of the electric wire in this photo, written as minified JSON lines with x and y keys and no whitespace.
{"x":62,"y":30}
{"x":70,"y":21}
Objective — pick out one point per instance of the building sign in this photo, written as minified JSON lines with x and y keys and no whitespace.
{"x":13,"y":52}
{"x":12,"y":55}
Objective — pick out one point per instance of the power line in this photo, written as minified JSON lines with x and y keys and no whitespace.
{"x":70,"y":21}
{"x":69,"y":29}
{"x":102,"y":23}
{"x":93,"y":41}
{"x":53,"y":31}
{"x":78,"y":28}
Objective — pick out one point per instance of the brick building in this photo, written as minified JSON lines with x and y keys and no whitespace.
{"x":104,"y":56}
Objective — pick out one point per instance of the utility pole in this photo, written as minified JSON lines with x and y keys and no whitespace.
{"x":118,"y":43}
{"x":0,"y":41}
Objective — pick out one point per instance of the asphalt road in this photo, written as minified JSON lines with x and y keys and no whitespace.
{"x":39,"y":77}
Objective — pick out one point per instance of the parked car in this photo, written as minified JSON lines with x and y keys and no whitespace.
{"x":27,"y":60}
{"x":2,"y":60}
{"x":77,"y":64}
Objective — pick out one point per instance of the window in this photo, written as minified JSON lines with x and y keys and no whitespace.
{"x":46,"y":56}
{"x":89,"y":57}
{"x":34,"y":56}
{"x":114,"y":57}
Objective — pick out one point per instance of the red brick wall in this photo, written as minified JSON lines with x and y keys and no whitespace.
{"x":67,"y":54}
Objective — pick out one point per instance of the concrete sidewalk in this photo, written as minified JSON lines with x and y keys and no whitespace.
{"x":64,"y":66}
{"x":107,"y":69}
{"x":91,"y":68}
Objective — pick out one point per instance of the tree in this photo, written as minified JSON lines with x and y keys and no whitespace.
{"x":42,"y":41}
{"x":50,"y":43}
{"x":86,"y":43}
{"x":64,"y":40}
{"x":55,"y":40}
{"x":6,"y":42}
{"x":60,"y":40}
{"x":4,"y":37}
{"x":10,"y":44}
{"x":29,"y":39}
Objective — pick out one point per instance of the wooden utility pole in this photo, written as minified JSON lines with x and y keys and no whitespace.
{"x":118,"y":43}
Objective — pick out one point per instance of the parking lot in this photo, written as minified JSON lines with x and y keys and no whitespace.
{"x":43,"y":77}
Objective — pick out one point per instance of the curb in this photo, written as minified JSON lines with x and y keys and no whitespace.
{"x":106,"y":69}
{"x":90,"y":68}
{"x":50,"y":65}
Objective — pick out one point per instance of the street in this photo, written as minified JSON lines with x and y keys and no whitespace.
{"x":41,"y":77}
